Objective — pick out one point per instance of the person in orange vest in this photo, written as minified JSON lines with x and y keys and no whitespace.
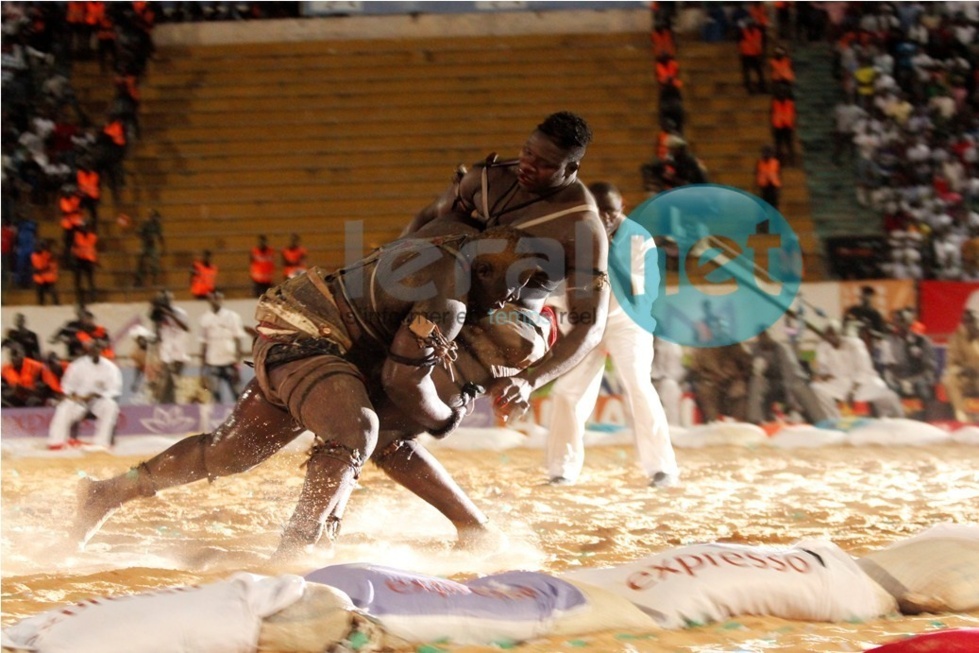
{"x":751,"y":46}
{"x":75,"y":14}
{"x":768,"y":176}
{"x":780,"y":67}
{"x":70,"y":206}
{"x":89,"y":190}
{"x":262,"y":268}
{"x":26,"y":382}
{"x":293,"y":258}
{"x":85,"y":258}
{"x":783,"y":125}
{"x":662,"y":40}
{"x":112,"y":146}
{"x":668,"y":71}
{"x":45,"y":267}
{"x":203,"y":276}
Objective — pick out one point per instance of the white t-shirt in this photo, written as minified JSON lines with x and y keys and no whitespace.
{"x":84,"y":377}
{"x":220,"y":332}
{"x":173,"y":339}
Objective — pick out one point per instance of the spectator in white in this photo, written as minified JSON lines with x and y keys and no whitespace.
{"x":845,"y":117}
{"x":631,"y":347}
{"x":845,"y":372}
{"x":221,"y":334}
{"x":90,"y":385}
{"x":668,"y":374}
{"x":170,"y":324}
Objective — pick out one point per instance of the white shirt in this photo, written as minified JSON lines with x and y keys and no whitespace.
{"x":84,"y":377}
{"x":848,"y":365}
{"x":173,"y":339}
{"x":220,"y":332}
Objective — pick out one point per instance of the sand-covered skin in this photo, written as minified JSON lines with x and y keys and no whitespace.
{"x":860,"y":497}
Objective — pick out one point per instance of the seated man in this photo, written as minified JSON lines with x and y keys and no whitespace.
{"x":720,"y":380}
{"x":335,"y":353}
{"x":777,"y":376}
{"x":27,"y":382}
{"x":844,"y":372}
{"x":961,"y":378}
{"x":910,"y":368}
{"x":91,"y":384}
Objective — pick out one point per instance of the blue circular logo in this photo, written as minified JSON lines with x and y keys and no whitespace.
{"x":727,"y":267}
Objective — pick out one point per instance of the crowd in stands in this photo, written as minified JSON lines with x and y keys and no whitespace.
{"x":908,"y":120}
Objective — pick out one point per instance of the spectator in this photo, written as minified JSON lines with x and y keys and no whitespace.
{"x":221,"y":351}
{"x":720,"y":377}
{"x":85,"y":259}
{"x":293,"y":258}
{"x":89,"y":190}
{"x":662,"y":39}
{"x":668,"y":72}
{"x":911,"y":367}
{"x":844,"y":373}
{"x":26,"y":381}
{"x":151,"y":245}
{"x":45,"y":267}
{"x":783,"y":118}
{"x":262,"y":266}
{"x":170,"y":325}
{"x":961,"y":377}
{"x":668,"y":373}
{"x":768,"y":176}
{"x":203,"y":276}
{"x":139,"y":356}
{"x":9,"y":233}
{"x":865,"y":313}
{"x":780,"y":67}
{"x":778,"y":377}
{"x":91,"y":384}
{"x":111,"y":151}
{"x":751,"y":39}
{"x":23,"y":248}
{"x":70,"y":204}
{"x":67,"y":334}
{"x":846,"y":115}
{"x":21,"y":335}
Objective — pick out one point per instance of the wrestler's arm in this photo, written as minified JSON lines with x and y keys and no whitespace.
{"x":406,"y":373}
{"x":454,"y":200}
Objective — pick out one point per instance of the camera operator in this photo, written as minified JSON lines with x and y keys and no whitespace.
{"x":171,"y":325}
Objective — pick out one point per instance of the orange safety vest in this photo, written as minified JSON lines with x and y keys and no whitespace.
{"x":116,"y":132}
{"x":71,"y":211}
{"x":751,"y":42}
{"x":262,"y":268}
{"x":665,"y":71}
{"x":760,"y":14}
{"x":782,"y":70}
{"x":84,"y":246}
{"x":26,"y":376}
{"x":661,"y":149}
{"x":45,"y":267}
{"x":88,"y":183}
{"x":107,"y":29}
{"x":76,"y":12}
{"x":783,"y":114}
{"x":94,"y":12}
{"x":663,"y":43}
{"x":132,"y":86}
{"x":99,"y":332}
{"x":293,"y":257}
{"x":203,"y":279}
{"x":767,"y":173}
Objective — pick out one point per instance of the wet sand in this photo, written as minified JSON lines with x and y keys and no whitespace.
{"x":862,"y":498}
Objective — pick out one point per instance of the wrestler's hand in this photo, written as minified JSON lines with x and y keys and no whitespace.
{"x":511,"y":396}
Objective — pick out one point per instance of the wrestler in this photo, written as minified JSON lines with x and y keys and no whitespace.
{"x":365,"y":336}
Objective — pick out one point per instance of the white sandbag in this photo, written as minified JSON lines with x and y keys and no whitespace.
{"x":805,"y":436}
{"x":966,"y":435}
{"x":934,"y":571}
{"x":506,"y":607}
{"x":811,"y":581}
{"x":717,"y":434}
{"x":222,"y":617}
{"x":897,"y":432}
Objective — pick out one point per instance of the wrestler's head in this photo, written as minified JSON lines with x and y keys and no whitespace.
{"x":551,"y":156}
{"x":610,"y":208}
{"x":497,"y":269}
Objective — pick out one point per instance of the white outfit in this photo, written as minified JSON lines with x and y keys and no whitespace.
{"x":173,"y":339}
{"x":575,"y":393}
{"x":852,"y":371}
{"x":668,"y":373}
{"x":220,"y":332}
{"x":83,"y":378}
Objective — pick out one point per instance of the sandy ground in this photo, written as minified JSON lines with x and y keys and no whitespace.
{"x":860,"y":497}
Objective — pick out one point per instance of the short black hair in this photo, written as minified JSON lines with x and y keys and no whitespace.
{"x":568,"y":130}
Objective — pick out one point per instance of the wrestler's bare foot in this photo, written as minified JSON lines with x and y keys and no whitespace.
{"x":484,"y":538}
{"x":95,"y":504}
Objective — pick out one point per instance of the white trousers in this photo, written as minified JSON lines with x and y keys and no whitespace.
{"x":871,"y":389}
{"x":671,"y":394}
{"x":575,"y":393}
{"x":68,"y":412}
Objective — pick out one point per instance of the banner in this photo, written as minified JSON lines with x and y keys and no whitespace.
{"x":942,"y":303}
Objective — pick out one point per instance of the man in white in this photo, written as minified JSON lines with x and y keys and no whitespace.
{"x":171,"y":326}
{"x":845,"y":372}
{"x":221,"y":334}
{"x":667,"y":374}
{"x":90,"y":384}
{"x":631,"y":348}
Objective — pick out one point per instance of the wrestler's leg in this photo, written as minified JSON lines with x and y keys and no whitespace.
{"x":337,"y":409}
{"x":254,"y":431}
